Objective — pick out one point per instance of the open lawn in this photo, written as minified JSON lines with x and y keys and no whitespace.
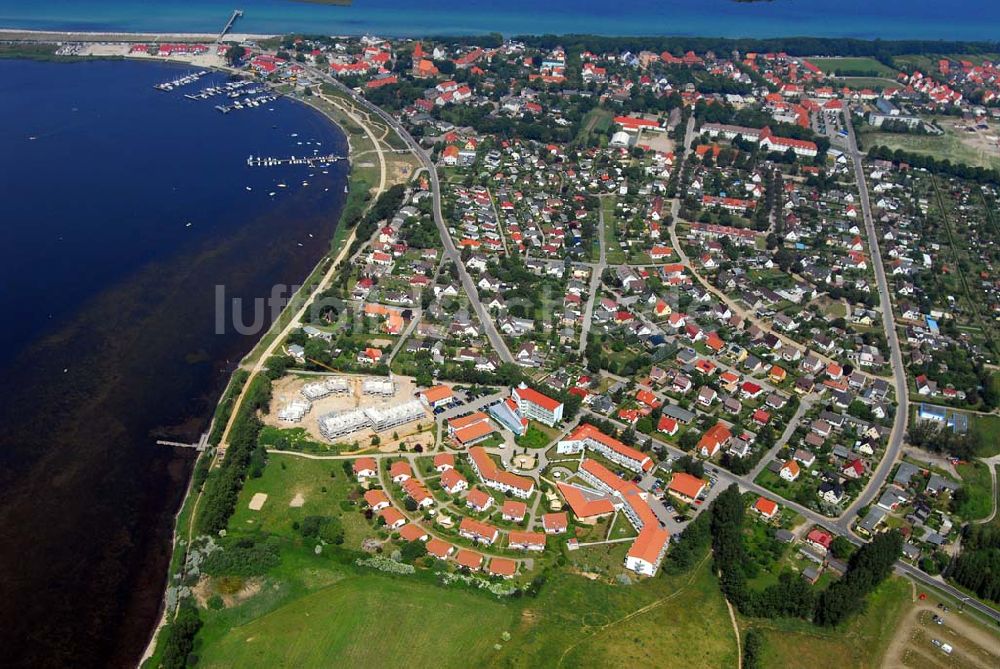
{"x":976,"y":480}
{"x":320,"y":486}
{"x":665,"y":621}
{"x":861,"y":642}
{"x":860,"y":66}
{"x":988,"y":429}
{"x":369,"y":621}
{"x":947,"y":146}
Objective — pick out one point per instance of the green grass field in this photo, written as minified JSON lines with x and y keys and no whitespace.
{"x":368,"y":621}
{"x":976,"y":479}
{"x":666,"y":621}
{"x":852,"y":65}
{"x":860,"y":643}
{"x":988,"y":428}
{"x":947,"y":146}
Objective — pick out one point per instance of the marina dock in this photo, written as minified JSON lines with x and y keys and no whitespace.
{"x":310,"y":161}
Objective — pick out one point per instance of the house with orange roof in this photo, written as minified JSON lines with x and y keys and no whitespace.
{"x":443,"y":461}
{"x":370,"y":356}
{"x":439,"y":549}
{"x":513,"y":510}
{"x":376,"y":500}
{"x":477,"y":531}
{"x":437,"y":396}
{"x":502,"y":567}
{"x":478,"y":500}
{"x":585,"y":510}
{"x":685,"y":487}
{"x":667,"y":426}
{"x":400,"y":471}
{"x":365,"y":468}
{"x":416,"y":491}
{"x":453,"y":482}
{"x":411,"y":532}
{"x":777,"y":374}
{"x":648,"y":398}
{"x":765,"y":507}
{"x":789,"y":471}
{"x":714,"y":438}
{"x":392,"y":517}
{"x":525,"y":541}
{"x":555,"y":523}
{"x":471,"y":560}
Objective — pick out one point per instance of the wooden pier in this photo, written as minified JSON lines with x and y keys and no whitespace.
{"x":199,"y":446}
{"x":237,"y":13}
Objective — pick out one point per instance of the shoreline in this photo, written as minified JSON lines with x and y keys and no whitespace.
{"x":334,"y":255}
{"x":26,"y":35}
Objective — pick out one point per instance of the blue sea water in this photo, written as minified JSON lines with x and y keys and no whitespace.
{"x":121,"y":210}
{"x":102,"y":174}
{"x":887,"y":19}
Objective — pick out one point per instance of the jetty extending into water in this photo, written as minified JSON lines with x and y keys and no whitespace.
{"x":237,"y":13}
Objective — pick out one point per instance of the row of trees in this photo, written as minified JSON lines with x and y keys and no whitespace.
{"x":792,"y":596}
{"x":225,"y":482}
{"x":796,"y":46}
{"x":945,"y":167}
{"x":868,"y":567}
{"x":978,"y":567}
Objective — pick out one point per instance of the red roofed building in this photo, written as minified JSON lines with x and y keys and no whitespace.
{"x":471,"y":560}
{"x":714,"y":438}
{"x":499,"y":479}
{"x":819,"y":539}
{"x":685,"y":487}
{"x":765,"y":507}
{"x":502,"y":567}
{"x":478,"y":500}
{"x":439,"y":549}
{"x":555,"y":523}
{"x":535,"y":406}
{"x":525,"y":541}
{"x":514,"y":511}
{"x":479,"y":532}
{"x":585,"y":509}
{"x":588,"y":436}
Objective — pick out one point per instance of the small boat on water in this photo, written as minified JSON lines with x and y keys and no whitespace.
{"x":248,"y":188}
{"x":272,"y":193}
{"x":282,"y":185}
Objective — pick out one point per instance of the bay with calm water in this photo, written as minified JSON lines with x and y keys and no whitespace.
{"x":121,"y":209}
{"x":887,"y":19}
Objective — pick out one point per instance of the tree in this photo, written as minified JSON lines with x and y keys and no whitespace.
{"x":234,"y":55}
{"x":413,"y":550}
{"x":841,"y":547}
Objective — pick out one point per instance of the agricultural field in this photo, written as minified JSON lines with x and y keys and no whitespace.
{"x":847,"y":66}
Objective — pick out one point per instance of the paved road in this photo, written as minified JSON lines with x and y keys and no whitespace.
{"x":489,"y":327}
{"x":596,"y":271}
{"x":804,"y":406}
{"x":895,"y":355}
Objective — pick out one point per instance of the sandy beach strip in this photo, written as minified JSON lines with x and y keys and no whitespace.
{"x":17,"y":35}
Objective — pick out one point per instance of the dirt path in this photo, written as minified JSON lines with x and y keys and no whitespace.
{"x":638,"y":612}
{"x":958,"y":629}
